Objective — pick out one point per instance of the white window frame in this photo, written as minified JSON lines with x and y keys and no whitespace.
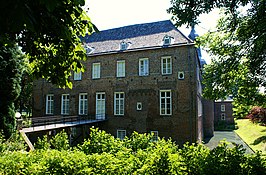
{"x":119,"y":103}
{"x":83,"y":104}
{"x":65,"y":104}
{"x":100,"y":105}
{"x":77,"y":75}
{"x":222,"y":116}
{"x":155,"y":135}
{"x":120,"y":68}
{"x":143,"y":67}
{"x":49,"y":104}
{"x":166,"y":65}
{"x":222,"y":108}
{"x":121,"y":134}
{"x":165,"y":98}
{"x":96,"y":70}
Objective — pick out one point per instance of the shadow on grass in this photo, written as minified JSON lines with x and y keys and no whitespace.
{"x":259,"y":140}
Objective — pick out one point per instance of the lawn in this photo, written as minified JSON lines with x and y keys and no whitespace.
{"x":253,"y":134}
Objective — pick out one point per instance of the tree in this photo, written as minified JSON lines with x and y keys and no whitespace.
{"x":11,"y":69}
{"x":24,"y":101}
{"x":48,"y":32}
{"x":238,"y":46}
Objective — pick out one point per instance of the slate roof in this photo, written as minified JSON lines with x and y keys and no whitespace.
{"x":138,"y":37}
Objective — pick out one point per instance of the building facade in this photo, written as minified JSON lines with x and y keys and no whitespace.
{"x":223,"y":112}
{"x":143,"y":78}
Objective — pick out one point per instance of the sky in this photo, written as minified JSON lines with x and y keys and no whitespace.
{"x":107,"y":14}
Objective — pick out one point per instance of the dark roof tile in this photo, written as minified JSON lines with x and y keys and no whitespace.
{"x":139,"y":36}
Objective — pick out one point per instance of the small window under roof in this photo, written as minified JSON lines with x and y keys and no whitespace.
{"x":166,"y":40}
{"x":88,"y":49}
{"x":123,"y":45}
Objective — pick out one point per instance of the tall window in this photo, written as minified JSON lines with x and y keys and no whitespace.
{"x":100,"y":105}
{"x":222,"y":108}
{"x":120,"y":68}
{"x":49,"y":104}
{"x":165,"y":102}
{"x":154,"y":136}
{"x":65,"y":104}
{"x":83,"y":103}
{"x":166,"y":63}
{"x":119,"y":103}
{"x":143,"y":67}
{"x":121,"y":134}
{"x":96,"y":70}
{"x":77,"y":75}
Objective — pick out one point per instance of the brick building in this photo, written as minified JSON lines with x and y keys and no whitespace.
{"x":223,"y":112}
{"x":143,"y":78}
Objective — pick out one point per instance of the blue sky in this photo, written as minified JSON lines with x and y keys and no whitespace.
{"x":107,"y":14}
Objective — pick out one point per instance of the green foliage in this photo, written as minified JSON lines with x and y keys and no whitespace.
{"x":60,"y":141}
{"x":225,"y":160}
{"x":238,"y":46}
{"x":43,"y":143}
{"x":24,"y":101}
{"x":13,"y":143}
{"x":187,"y":12}
{"x":99,"y":142}
{"x":11,"y":69}
{"x":49,"y":34}
{"x":161,"y":157}
{"x":192,"y":159}
{"x":138,"y":141}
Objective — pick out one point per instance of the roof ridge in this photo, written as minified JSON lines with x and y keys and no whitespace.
{"x":138,"y":24}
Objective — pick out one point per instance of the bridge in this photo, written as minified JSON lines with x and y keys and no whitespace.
{"x":46,"y":123}
{"x":35,"y":124}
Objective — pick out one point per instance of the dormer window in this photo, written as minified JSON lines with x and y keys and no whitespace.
{"x":88,"y":49}
{"x":123,"y":45}
{"x":167,"y":40}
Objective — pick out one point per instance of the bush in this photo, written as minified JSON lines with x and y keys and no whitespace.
{"x":14,"y":143}
{"x":99,"y":142}
{"x":60,"y":141}
{"x":114,"y":157}
{"x":257,"y":115}
{"x":42,"y":143}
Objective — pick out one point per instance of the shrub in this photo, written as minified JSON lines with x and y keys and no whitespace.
{"x":60,"y":141}
{"x":99,"y":142}
{"x":114,"y":157}
{"x":138,"y":141}
{"x":42,"y":143}
{"x":14,"y":143}
{"x":257,"y":115}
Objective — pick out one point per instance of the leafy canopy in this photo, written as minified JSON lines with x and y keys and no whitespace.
{"x":238,"y":46}
{"x":48,"y":31}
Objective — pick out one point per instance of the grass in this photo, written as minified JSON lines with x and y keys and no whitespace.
{"x":253,"y":134}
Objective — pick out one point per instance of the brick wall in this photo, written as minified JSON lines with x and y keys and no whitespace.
{"x":228,"y":112}
{"x":183,"y":125}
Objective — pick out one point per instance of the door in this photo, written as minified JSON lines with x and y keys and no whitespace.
{"x":100,"y":105}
